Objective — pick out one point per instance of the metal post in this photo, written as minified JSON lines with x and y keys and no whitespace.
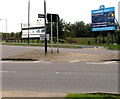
{"x":6,"y":29}
{"x":28,"y":18}
{"x":51,"y":36}
{"x":21,"y":32}
{"x":45,"y":27}
{"x":57,"y":37}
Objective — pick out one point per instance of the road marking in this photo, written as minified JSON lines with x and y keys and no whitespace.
{"x":110,"y":62}
{"x":76,"y":61}
{"x":63,"y":73}
{"x":26,"y":62}
{"x":7,"y":71}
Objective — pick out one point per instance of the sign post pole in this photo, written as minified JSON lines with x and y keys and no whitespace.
{"x":51,"y":36}
{"x":28,"y":18}
{"x":57,"y":36}
{"x":45,"y":27}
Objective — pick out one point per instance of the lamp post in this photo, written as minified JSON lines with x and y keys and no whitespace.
{"x":6,"y":27}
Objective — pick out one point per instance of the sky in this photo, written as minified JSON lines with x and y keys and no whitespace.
{"x":16,"y":11}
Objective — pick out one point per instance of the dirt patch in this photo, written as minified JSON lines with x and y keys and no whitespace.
{"x":65,"y":56}
{"x":15,"y":93}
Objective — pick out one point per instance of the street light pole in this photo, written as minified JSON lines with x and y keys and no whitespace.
{"x":6,"y":27}
{"x":45,"y":27}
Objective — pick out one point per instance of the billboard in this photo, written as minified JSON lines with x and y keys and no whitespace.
{"x":103,"y":19}
{"x":119,"y":12}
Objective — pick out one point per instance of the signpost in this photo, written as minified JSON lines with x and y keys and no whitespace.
{"x":45,"y":27}
{"x":51,"y":35}
{"x":28,"y":18}
{"x":54,"y":18}
{"x":103,"y":19}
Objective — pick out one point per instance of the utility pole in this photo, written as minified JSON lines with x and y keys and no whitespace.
{"x":45,"y":27}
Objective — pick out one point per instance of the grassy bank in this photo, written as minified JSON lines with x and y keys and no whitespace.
{"x":91,"y":96}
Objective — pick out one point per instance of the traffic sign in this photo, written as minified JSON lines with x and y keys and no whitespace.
{"x":55,"y":17}
{"x":41,"y":16}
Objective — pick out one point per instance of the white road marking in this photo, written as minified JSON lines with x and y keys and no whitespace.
{"x":7,"y":71}
{"x":76,"y":61}
{"x":110,"y":62}
{"x":26,"y":62}
{"x":63,"y":73}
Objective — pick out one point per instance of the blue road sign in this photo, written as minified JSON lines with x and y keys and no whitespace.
{"x":103,"y":19}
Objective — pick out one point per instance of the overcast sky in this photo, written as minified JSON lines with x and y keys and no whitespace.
{"x":16,"y":11}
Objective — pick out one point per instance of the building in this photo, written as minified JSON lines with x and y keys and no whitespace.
{"x":36,"y":29}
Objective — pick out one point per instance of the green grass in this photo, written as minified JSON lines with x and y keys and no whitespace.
{"x":91,"y":96}
{"x":84,"y":41}
{"x":111,"y":47}
{"x":62,"y":46}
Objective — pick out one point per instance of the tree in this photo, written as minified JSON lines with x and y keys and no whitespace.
{"x":61,"y":24}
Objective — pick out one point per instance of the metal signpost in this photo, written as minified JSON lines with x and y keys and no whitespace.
{"x":51,"y":35}
{"x":45,"y":27}
{"x":57,"y":35}
{"x":28,"y":18}
{"x":54,"y":18}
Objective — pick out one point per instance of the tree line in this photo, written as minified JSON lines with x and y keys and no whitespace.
{"x":72,"y":30}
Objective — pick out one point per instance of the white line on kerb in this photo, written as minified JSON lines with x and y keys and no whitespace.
{"x":14,"y":62}
{"x":110,"y":62}
{"x":76,"y":61}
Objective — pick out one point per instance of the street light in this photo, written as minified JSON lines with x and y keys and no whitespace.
{"x":6,"y":27}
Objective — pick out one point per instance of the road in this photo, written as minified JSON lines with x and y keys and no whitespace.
{"x":59,"y":77}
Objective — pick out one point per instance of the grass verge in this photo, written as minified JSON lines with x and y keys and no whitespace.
{"x":62,"y":46}
{"x":111,"y":47}
{"x":92,"y":96}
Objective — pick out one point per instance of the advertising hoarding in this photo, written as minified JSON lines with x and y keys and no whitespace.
{"x":103,"y":19}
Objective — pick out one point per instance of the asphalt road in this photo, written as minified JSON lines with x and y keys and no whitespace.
{"x":61,"y":77}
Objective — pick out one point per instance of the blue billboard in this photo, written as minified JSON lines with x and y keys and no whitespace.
{"x":103,"y":19}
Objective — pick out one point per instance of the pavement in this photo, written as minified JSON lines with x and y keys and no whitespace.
{"x":66,"y":54}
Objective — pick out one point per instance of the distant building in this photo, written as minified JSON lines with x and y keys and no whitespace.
{"x":36,"y":29}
